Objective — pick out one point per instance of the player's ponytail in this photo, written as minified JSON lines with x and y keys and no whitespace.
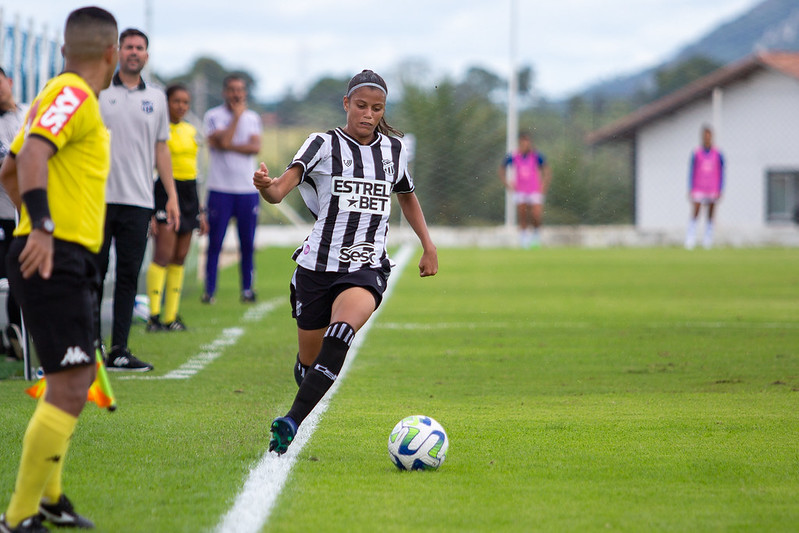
{"x":369,"y":78}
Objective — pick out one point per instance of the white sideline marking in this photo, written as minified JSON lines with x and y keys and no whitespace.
{"x":254,"y":503}
{"x":583,"y":325}
{"x":210,"y":352}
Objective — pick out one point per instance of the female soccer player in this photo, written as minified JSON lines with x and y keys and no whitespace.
{"x":165,"y":273}
{"x":346,"y":177}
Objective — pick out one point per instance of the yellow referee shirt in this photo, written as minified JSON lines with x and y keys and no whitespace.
{"x":67,"y":114}
{"x":182,"y":145}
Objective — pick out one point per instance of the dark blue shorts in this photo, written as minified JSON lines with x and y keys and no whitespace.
{"x":313,"y":293}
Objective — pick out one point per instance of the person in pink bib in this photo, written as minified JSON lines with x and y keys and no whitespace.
{"x":532,"y":176}
{"x":705,"y":184}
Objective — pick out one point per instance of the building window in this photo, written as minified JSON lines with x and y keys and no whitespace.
{"x":782,"y":188}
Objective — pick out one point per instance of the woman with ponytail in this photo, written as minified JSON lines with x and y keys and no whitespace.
{"x":346,"y":177}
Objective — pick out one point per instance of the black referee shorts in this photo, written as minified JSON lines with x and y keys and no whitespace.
{"x":59,"y":312}
{"x":313,"y":293}
{"x":188,"y":201}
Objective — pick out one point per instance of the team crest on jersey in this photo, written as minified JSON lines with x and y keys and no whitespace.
{"x":347,"y":162}
{"x":362,"y":195}
{"x":62,"y":109}
{"x":388,"y":167}
{"x":362,"y":252}
{"x":147,"y":106}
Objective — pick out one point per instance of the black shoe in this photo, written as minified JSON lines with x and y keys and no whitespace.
{"x":299,"y":370}
{"x":154,"y":324}
{"x":14,"y":335}
{"x":176,"y":325}
{"x":63,"y":514}
{"x":283,"y":431}
{"x":207,"y":298}
{"x":121,"y":360}
{"x":248,"y":296}
{"x":31,"y":524}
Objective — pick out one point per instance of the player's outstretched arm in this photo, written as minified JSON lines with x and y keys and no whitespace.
{"x":409,"y":203}
{"x":273,"y":190}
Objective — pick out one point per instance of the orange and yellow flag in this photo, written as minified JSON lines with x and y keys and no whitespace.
{"x":100,"y":392}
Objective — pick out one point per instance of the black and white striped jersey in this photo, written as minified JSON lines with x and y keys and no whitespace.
{"x":347,"y":187}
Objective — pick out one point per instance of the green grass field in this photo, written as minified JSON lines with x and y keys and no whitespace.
{"x":582,"y":390}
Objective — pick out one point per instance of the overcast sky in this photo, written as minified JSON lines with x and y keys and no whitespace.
{"x":288,"y":44}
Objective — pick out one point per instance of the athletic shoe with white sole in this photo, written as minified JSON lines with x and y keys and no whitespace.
{"x":283,"y":431}
{"x":15,"y":341}
{"x":154,"y":324}
{"x":63,"y":514}
{"x":176,"y":325}
{"x":32,"y":524}
{"x":121,"y":360}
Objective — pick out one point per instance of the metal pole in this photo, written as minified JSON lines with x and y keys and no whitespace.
{"x":513,"y":114}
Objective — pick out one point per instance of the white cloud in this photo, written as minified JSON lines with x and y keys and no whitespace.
{"x":570,"y":43}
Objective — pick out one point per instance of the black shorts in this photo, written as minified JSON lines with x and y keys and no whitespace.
{"x":188,"y":201}
{"x":313,"y":293}
{"x":59,"y":312}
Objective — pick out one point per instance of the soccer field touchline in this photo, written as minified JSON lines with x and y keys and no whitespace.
{"x":210,"y":352}
{"x":581,"y":325}
{"x":254,"y":503}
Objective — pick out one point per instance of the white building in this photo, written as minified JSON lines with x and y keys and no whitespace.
{"x":753,"y":107}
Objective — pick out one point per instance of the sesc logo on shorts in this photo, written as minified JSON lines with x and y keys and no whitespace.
{"x":363,"y":252}
{"x":362,"y":196}
{"x":61,"y":109}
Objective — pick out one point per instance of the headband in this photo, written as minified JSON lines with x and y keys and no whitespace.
{"x":367,"y":84}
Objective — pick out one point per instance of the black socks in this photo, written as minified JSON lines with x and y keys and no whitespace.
{"x":324,"y":371}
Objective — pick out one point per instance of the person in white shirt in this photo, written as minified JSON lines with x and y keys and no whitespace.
{"x":234,"y":138}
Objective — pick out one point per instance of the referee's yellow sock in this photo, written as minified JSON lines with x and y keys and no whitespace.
{"x":156,"y":275}
{"x":172,"y":292}
{"x":43,"y":449}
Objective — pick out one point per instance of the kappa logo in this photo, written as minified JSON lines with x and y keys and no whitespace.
{"x":388,"y":167}
{"x":147,"y":106}
{"x":62,"y":109}
{"x":75,"y":356}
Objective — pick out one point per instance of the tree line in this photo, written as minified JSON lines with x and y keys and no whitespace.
{"x":458,"y":129}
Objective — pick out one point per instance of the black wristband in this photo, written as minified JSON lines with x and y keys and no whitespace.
{"x":35,"y":201}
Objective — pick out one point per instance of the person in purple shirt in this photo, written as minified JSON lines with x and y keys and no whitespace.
{"x":705,"y":184}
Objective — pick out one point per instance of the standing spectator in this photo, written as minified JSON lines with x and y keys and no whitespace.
{"x":11,"y":117}
{"x":136,"y":114}
{"x":56,"y":174}
{"x":705,"y":183}
{"x":234,"y":138}
{"x":165,"y":273}
{"x":532,"y":178}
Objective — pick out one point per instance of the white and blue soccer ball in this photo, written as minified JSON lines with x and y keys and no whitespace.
{"x":141,"y":307}
{"x":418,"y":443}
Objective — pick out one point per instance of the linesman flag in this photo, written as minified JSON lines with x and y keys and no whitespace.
{"x":100,"y":392}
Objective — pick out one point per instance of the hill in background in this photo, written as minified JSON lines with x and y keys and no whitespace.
{"x":770,"y":25}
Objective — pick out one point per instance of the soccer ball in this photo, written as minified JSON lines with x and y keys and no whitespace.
{"x":141,"y":307}
{"x":418,"y":443}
